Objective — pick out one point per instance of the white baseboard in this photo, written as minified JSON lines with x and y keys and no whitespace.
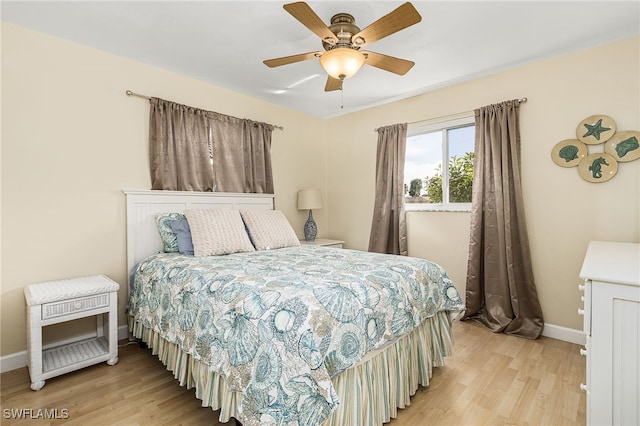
{"x":13,"y":361}
{"x":19,"y":359}
{"x":565,"y":334}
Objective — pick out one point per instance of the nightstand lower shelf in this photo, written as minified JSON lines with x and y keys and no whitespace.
{"x":66,"y":358}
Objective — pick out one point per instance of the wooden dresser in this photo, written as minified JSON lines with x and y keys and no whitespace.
{"x":611,"y":273}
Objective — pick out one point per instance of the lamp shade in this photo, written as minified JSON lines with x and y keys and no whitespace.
{"x":342,"y":62}
{"x":309,"y":199}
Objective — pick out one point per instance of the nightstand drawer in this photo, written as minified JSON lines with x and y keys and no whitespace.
{"x":80,"y":304}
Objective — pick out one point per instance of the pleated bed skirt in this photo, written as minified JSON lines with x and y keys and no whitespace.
{"x":370,"y":392}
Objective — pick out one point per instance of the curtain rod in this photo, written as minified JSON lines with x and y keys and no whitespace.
{"x":130,"y":93}
{"x":521,"y":100}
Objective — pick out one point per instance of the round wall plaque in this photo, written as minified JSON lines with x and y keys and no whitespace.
{"x":596,"y":129}
{"x":569,"y":152}
{"x":598,"y":167}
{"x":624,"y":146}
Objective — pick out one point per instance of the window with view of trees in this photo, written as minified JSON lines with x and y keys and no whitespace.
{"x":427,"y":184}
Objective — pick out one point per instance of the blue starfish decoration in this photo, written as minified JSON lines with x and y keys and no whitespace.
{"x":595,"y":129}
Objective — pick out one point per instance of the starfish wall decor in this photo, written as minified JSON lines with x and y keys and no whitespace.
{"x":596,"y":167}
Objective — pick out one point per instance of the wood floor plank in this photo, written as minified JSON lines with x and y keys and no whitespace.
{"x":492,"y":379}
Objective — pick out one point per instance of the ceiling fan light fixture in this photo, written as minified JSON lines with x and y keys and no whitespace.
{"x":342,"y":62}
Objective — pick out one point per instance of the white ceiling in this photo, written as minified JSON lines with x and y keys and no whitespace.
{"x":225,"y":42}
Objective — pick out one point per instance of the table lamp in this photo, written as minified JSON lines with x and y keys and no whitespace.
{"x":309,"y":199}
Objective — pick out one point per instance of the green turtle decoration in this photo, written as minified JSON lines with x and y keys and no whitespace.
{"x":627,"y":145}
{"x":624,"y":146}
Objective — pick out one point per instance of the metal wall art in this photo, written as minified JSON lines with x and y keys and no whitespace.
{"x":597,"y":130}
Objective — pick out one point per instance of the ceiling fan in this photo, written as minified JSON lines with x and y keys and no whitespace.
{"x":342,"y":41}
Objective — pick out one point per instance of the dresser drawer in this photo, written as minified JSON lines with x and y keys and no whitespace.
{"x":71,"y":306}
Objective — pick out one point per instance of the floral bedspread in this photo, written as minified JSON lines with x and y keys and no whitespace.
{"x":278,"y":324}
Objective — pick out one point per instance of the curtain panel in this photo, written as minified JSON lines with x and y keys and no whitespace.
{"x":256,"y":147}
{"x":196,"y":150}
{"x":500,"y":293}
{"x":179,"y":147}
{"x":388,"y":228}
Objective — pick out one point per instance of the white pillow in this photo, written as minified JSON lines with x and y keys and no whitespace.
{"x":217,"y":231}
{"x":269,"y":229}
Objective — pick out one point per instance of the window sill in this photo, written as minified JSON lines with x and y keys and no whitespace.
{"x":438,"y":208}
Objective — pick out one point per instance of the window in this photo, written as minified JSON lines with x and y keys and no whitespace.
{"x":428,"y":185}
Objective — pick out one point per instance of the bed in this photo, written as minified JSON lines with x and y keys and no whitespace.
{"x":278,"y":332}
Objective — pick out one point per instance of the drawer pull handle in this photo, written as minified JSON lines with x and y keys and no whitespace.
{"x":582,"y":298}
{"x":583,"y":387}
{"x":580,"y":311}
{"x":581,"y":287}
{"x":583,"y":351}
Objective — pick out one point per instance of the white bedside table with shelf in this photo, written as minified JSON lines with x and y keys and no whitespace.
{"x":55,"y":302}
{"x":324,"y":242}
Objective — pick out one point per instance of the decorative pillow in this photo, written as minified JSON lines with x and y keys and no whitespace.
{"x":269,"y":229}
{"x":163,"y":222}
{"x":217,"y":231}
{"x":183,"y":234}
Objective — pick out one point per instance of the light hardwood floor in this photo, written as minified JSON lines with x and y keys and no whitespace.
{"x":492,"y":379}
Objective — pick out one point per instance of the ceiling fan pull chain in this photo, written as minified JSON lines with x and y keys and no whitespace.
{"x":341,"y":97}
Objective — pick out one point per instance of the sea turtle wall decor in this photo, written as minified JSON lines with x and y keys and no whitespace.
{"x":593,"y":131}
{"x":624,"y":146}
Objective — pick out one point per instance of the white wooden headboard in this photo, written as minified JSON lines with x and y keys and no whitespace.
{"x":143,"y":238}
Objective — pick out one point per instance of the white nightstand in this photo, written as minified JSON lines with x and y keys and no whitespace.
{"x":54,"y":302}
{"x":324,"y":242}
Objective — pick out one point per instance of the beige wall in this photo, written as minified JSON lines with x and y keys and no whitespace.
{"x":72,"y":140}
{"x":563,"y":211}
{"x":442,"y":238}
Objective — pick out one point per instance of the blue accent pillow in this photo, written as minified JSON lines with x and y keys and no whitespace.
{"x":163,"y":222}
{"x":183,"y":235}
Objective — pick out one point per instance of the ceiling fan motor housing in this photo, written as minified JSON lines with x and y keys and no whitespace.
{"x":343,"y":26}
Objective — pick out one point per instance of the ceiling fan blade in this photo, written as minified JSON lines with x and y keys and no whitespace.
{"x":332,"y":84}
{"x":285,"y":60}
{"x":401,"y":18}
{"x":303,"y":13}
{"x":388,"y":63}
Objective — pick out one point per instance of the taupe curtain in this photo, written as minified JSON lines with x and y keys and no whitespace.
{"x":228,"y":158}
{"x":257,"y":157}
{"x":184,"y":140}
{"x":388,"y":229}
{"x":179,"y":147}
{"x":242,"y":155}
{"x":500,"y":293}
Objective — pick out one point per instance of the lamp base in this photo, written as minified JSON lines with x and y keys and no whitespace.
{"x":310,"y":228}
